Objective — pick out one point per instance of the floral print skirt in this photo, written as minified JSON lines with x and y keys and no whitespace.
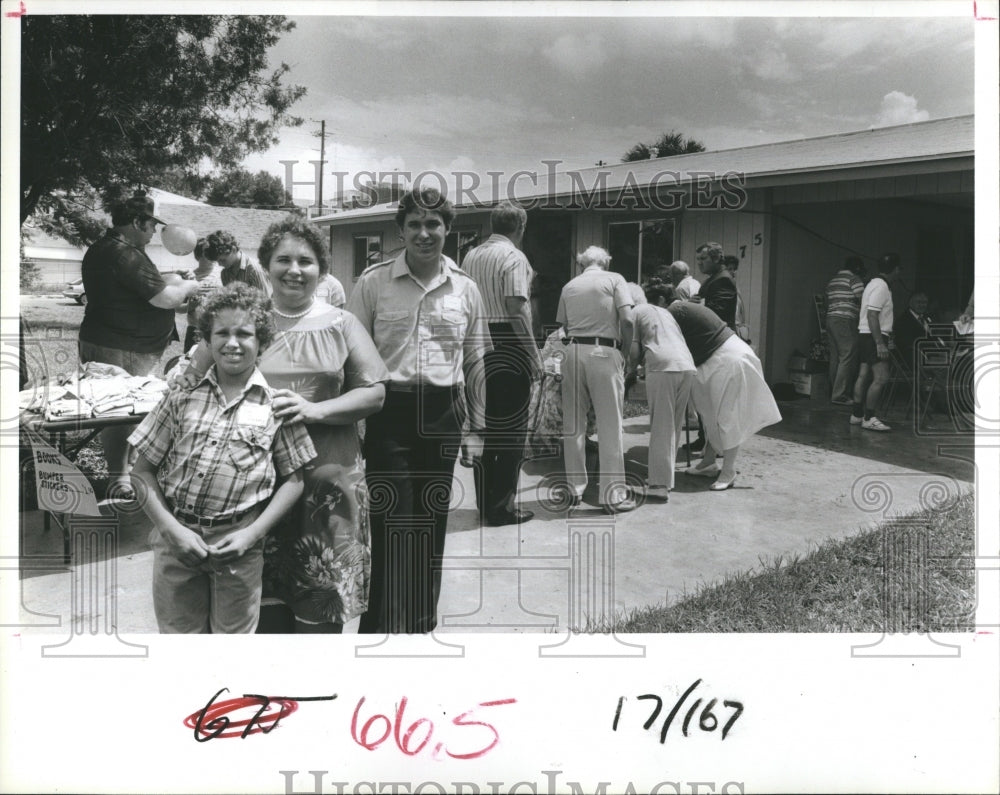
{"x":318,"y":559}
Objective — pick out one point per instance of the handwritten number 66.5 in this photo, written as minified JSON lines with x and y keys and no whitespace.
{"x":415,"y":737}
{"x":707,"y":721}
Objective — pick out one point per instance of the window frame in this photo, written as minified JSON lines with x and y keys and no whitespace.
{"x":367,"y":237}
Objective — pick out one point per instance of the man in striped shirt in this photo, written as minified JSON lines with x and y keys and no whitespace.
{"x":843,"y":305}
{"x":503,"y":275}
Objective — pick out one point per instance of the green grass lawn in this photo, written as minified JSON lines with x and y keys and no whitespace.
{"x":54,"y":329}
{"x":840,"y":587}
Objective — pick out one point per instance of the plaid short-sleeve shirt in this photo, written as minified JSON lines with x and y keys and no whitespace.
{"x":214,"y":458}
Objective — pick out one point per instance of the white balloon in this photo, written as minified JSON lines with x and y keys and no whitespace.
{"x":178,"y":240}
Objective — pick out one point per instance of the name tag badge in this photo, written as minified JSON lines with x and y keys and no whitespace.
{"x":254,"y":415}
{"x":451,"y":303}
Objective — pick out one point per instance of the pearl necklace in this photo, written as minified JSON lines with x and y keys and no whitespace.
{"x":303,"y":313}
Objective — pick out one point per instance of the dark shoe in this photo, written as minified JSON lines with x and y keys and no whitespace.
{"x":510,"y":517}
{"x":660,"y":493}
{"x":626,"y":505}
{"x":694,"y":447}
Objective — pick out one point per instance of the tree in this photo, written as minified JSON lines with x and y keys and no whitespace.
{"x":109,"y":103}
{"x":667,"y":145}
{"x":240,"y":188}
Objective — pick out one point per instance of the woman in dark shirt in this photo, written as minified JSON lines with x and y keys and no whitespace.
{"x":729,"y":391}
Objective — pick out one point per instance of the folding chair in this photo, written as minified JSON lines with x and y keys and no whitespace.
{"x":904,"y":384}
{"x":898,"y":387}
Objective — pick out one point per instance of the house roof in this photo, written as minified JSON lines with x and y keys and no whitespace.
{"x":247,"y":226}
{"x":161,"y":196}
{"x":939,"y":139}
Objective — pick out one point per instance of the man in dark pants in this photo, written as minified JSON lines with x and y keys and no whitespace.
{"x":504,"y":276}
{"x":426,"y":318}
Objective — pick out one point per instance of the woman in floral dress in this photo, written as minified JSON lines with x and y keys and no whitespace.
{"x":328,"y":375}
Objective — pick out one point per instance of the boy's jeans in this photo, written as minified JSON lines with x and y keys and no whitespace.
{"x":214,"y":597}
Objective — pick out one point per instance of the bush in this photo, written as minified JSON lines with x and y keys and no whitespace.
{"x":31,"y":276}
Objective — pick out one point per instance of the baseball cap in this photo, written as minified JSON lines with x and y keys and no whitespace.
{"x":143,"y":206}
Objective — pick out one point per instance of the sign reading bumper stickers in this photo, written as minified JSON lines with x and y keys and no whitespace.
{"x":62,"y":488}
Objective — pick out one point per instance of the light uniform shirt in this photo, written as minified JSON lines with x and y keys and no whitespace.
{"x":688,"y":287}
{"x":878,"y":298}
{"x":589,"y":304}
{"x":500,"y":271}
{"x":843,"y":295}
{"x":216,"y":458}
{"x":662,"y":340}
{"x":425,"y":335}
{"x":330,"y":290}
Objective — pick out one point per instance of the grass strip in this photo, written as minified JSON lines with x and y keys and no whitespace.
{"x":842,"y":586}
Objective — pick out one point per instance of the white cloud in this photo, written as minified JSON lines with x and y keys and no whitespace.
{"x":577,"y":55}
{"x":899,"y":108}
{"x":771,"y":65}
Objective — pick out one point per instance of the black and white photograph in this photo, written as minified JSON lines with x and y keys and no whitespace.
{"x":616,"y":382}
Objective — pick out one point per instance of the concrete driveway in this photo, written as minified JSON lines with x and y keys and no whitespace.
{"x":811,"y":478}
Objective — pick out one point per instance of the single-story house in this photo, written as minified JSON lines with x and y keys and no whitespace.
{"x":790,"y":211}
{"x":59,"y":261}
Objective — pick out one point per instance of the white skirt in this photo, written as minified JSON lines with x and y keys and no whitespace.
{"x":731,"y":395}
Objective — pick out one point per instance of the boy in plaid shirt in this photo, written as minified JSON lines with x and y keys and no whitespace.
{"x":208,"y":462}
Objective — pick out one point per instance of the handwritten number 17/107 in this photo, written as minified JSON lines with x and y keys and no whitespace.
{"x":707,"y":721}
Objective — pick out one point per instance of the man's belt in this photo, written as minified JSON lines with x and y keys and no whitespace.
{"x":212,"y":521}
{"x":606,"y":341}
{"x":410,"y":389}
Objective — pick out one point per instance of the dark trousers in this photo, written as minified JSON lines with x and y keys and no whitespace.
{"x":410,"y":452}
{"x":508,"y":393}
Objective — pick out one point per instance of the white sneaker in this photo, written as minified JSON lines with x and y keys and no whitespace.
{"x":856,"y":420}
{"x":875,"y":424}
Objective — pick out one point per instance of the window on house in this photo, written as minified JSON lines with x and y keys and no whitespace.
{"x":367,"y":251}
{"x":459,"y":243}
{"x":639,"y":248}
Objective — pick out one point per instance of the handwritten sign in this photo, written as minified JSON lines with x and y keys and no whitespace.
{"x":62,"y":488}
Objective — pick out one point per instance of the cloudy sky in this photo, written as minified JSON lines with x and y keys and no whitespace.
{"x":488,"y":93}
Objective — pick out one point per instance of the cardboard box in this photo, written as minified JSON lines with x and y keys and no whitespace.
{"x":812,"y":385}
{"x":797,"y":362}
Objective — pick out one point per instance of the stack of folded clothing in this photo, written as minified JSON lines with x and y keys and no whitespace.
{"x":146,"y":393}
{"x":68,"y":409}
{"x":37,"y":398}
{"x":121,"y":406}
{"x":99,"y":390}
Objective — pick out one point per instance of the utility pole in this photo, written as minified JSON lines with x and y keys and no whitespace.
{"x":322,"y":160}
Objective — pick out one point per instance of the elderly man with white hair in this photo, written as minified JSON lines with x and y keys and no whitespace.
{"x":595,"y":311}
{"x":685,"y":285}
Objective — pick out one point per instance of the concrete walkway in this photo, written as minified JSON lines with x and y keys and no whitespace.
{"x":811,"y":478}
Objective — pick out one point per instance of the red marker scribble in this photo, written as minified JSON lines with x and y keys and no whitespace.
{"x":21,"y":11}
{"x":212,"y":722}
{"x":975,"y":12}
